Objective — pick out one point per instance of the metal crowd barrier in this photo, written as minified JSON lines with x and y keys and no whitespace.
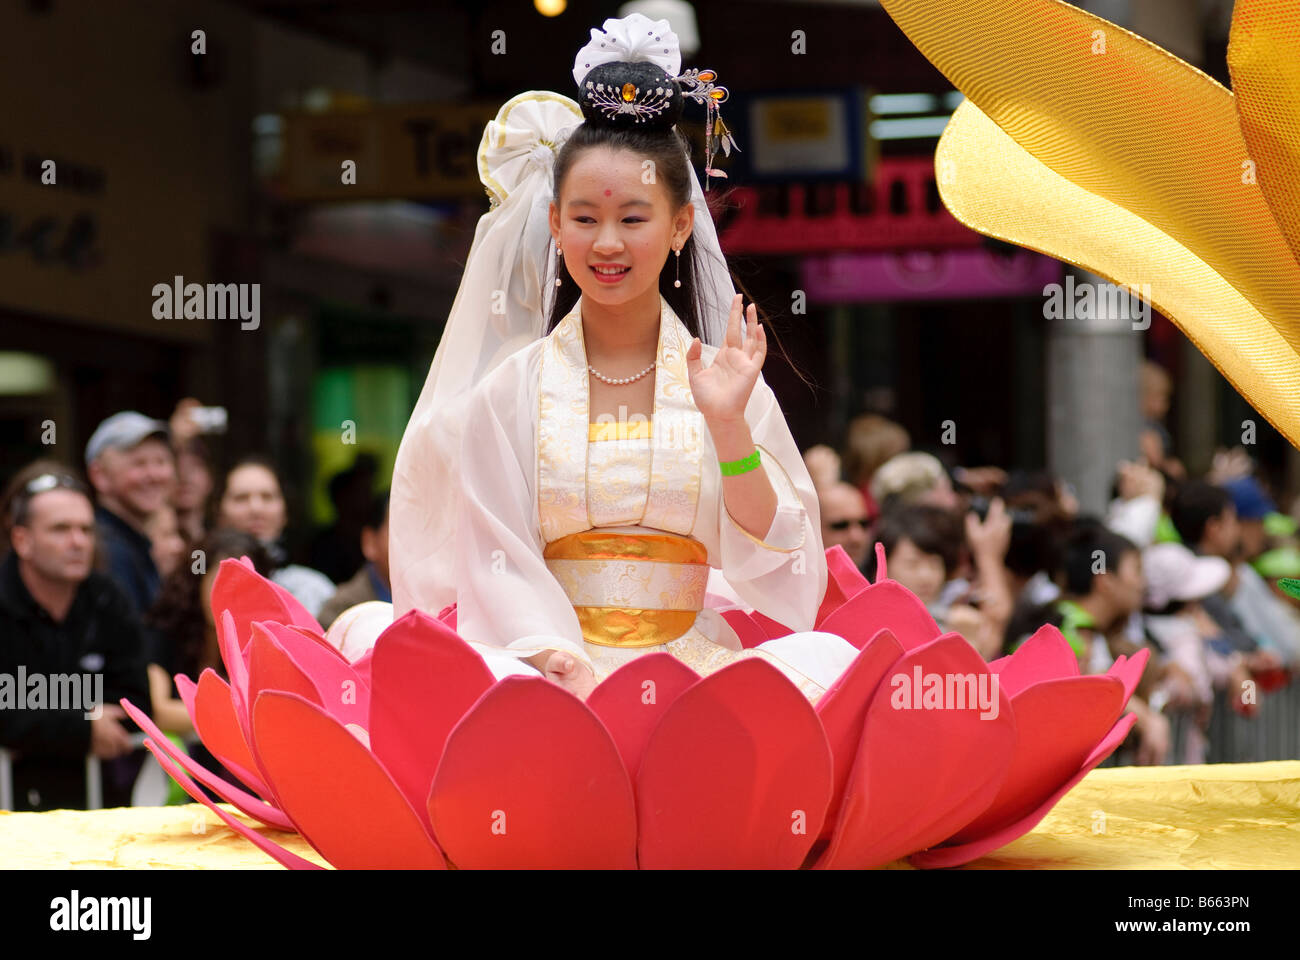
{"x":1272,"y":734}
{"x":94,"y":777}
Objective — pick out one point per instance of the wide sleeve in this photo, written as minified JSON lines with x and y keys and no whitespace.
{"x":783,"y":575}
{"x":507,"y":599}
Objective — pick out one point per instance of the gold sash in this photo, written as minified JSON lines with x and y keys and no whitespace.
{"x":630,"y":590}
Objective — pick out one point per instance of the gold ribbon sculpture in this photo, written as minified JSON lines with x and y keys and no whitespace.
{"x":1083,"y":141}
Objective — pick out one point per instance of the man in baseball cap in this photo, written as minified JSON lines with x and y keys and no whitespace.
{"x":130,"y":463}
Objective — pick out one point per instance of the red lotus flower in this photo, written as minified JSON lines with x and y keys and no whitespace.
{"x":415,"y":756}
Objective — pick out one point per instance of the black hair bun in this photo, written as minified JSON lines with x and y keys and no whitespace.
{"x":631,"y":94}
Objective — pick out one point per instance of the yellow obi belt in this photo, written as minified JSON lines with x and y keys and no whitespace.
{"x":630,"y":590}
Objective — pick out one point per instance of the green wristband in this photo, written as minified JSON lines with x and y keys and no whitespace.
{"x":732,"y":467}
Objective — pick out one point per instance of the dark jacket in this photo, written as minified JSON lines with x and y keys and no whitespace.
{"x":100,"y":635}
{"x":130,"y":564}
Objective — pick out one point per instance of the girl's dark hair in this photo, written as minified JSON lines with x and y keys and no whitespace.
{"x":177,"y":615}
{"x":670,"y":152}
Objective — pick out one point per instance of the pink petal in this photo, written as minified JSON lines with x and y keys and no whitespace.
{"x":921,"y":774}
{"x":235,"y":659}
{"x":343,"y":694}
{"x":337,"y":793}
{"x":1044,"y":656}
{"x":426,"y":679}
{"x":228,"y":792}
{"x":1058,"y":723}
{"x":631,"y":701}
{"x":270,"y":668}
{"x":531,"y":779}
{"x":185,"y":689}
{"x":276,"y":852}
{"x":843,"y":711}
{"x":1129,"y":671}
{"x":954,"y":856}
{"x":736,"y":775}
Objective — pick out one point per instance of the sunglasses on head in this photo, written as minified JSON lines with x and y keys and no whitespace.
{"x":49,"y":481}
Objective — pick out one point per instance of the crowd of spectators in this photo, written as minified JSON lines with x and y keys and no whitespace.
{"x":112,"y":578}
{"x":1182,"y":566}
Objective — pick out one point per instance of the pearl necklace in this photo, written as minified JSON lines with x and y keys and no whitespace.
{"x":616,"y":381}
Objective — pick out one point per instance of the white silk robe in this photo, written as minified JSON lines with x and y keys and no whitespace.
{"x":530,"y":474}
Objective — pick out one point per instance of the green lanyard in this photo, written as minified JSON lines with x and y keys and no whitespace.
{"x":1075,"y":618}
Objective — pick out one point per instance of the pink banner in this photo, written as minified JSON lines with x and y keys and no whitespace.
{"x":926,"y":275}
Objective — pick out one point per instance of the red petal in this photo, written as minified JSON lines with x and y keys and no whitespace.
{"x":843,"y":581}
{"x":250,"y":597}
{"x":228,"y":792}
{"x":448,"y":616}
{"x":749,"y":632}
{"x":736,"y":775}
{"x":426,"y":679}
{"x":340,"y":796}
{"x":1058,"y":723}
{"x":885,"y":605}
{"x":964,"y":853}
{"x":843,"y":711}
{"x":531,"y":779}
{"x":920,"y":775}
{"x":631,"y":710}
{"x":1044,"y":656}
{"x":276,"y":852}
{"x":218,"y":727}
{"x":772,"y":628}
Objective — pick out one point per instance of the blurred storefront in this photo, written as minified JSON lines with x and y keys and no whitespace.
{"x":123,"y":162}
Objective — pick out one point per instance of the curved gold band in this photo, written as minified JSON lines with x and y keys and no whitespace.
{"x":631,"y":590}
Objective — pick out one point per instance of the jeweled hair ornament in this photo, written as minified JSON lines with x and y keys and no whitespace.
{"x":629,"y":74}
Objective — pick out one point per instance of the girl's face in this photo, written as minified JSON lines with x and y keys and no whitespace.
{"x":920,"y":572}
{"x":253,"y":502}
{"x":614,"y":212}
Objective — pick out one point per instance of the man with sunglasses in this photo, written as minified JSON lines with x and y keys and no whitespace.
{"x":845,"y":520}
{"x":66,"y":633}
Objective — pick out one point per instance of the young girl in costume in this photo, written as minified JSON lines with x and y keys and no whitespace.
{"x":595,"y":435}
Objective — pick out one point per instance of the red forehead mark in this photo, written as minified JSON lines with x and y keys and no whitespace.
{"x":607,"y":192}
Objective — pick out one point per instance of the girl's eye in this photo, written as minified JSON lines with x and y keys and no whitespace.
{"x":625,"y":219}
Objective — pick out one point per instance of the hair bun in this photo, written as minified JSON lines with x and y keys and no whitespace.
{"x":636,"y":94}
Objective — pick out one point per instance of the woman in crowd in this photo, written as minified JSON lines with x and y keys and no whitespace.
{"x":252,"y":501}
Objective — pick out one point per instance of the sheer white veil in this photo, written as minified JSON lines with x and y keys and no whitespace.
{"x":502,"y":306}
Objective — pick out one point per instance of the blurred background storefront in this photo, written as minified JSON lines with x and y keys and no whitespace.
{"x":224,"y":167}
